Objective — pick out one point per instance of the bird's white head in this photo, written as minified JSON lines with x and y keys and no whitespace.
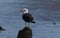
{"x":24,"y":10}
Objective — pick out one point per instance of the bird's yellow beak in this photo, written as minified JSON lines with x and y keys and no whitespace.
{"x":21,"y":10}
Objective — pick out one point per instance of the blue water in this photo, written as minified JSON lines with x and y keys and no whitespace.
{"x":45,"y":12}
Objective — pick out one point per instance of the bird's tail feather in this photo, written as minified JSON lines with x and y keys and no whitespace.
{"x":33,"y":22}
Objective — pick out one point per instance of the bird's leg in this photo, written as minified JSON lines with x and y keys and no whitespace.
{"x":28,"y":24}
{"x":25,"y":24}
{"x":0,"y":33}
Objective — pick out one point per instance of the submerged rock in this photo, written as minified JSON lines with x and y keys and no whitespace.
{"x":54,"y":23}
{"x":25,"y":33}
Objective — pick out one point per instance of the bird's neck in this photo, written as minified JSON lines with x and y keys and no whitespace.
{"x":25,"y":12}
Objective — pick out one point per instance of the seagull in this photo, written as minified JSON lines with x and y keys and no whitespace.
{"x":27,"y":17}
{"x":1,"y":29}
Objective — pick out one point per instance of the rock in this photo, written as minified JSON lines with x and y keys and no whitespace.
{"x":25,"y":33}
